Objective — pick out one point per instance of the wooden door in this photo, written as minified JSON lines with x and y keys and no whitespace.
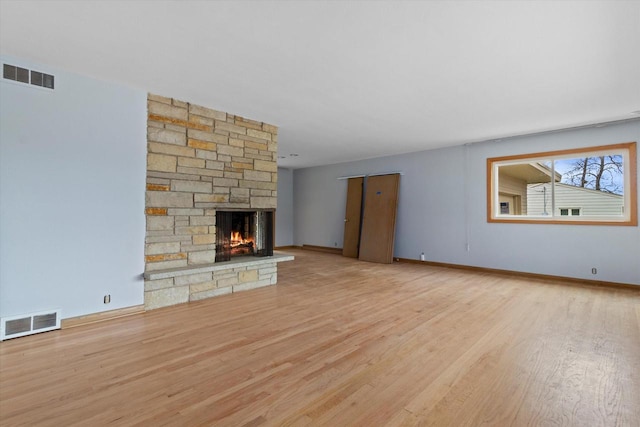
{"x":379,"y":220}
{"x":352,"y":218}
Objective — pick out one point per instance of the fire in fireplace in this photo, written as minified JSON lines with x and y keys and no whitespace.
{"x":243,"y":233}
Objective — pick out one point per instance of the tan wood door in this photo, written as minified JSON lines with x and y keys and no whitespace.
{"x":352,"y":218}
{"x":379,"y":219}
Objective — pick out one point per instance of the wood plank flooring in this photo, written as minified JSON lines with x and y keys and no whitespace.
{"x":339,"y":342}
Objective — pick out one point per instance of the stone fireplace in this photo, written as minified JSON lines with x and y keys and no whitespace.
{"x":210,"y":174}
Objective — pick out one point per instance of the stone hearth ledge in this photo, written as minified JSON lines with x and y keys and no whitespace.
{"x":204,"y":268}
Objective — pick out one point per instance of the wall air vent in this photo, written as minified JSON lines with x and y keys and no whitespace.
{"x":22,"y":75}
{"x":28,"y":324}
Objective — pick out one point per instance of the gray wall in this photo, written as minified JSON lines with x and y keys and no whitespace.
{"x":284,"y":212}
{"x":442,"y":211}
{"x":72,"y":180}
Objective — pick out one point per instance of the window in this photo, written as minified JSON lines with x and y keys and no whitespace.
{"x":595,"y":185}
{"x":570,"y":211}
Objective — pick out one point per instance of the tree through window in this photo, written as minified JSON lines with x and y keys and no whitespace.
{"x":601,"y":173}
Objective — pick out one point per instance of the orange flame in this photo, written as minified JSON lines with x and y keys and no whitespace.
{"x":237,"y":240}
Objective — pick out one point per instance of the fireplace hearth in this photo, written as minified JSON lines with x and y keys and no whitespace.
{"x":243,"y":233}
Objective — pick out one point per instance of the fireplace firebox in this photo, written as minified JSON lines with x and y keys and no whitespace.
{"x":243,"y":233}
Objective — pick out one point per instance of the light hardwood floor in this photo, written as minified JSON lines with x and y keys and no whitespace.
{"x":339,"y":342}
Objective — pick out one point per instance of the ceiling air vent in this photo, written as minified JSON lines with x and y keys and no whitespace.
{"x":22,"y":75}
{"x":27,"y":324}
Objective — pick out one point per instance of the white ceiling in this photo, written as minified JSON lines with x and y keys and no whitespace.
{"x":354,"y":79}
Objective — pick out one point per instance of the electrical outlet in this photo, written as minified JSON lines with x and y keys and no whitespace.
{"x":107,"y":299}
{"x":594,"y":271}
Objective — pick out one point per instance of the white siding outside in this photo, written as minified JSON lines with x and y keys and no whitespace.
{"x":590,"y":202}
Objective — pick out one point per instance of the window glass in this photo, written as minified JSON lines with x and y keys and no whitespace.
{"x":592,"y":184}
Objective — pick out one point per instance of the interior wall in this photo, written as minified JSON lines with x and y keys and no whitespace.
{"x":442,"y":211}
{"x":72,"y":181}
{"x":284,"y":211}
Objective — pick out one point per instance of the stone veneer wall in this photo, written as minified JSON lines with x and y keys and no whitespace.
{"x":200,"y":160}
